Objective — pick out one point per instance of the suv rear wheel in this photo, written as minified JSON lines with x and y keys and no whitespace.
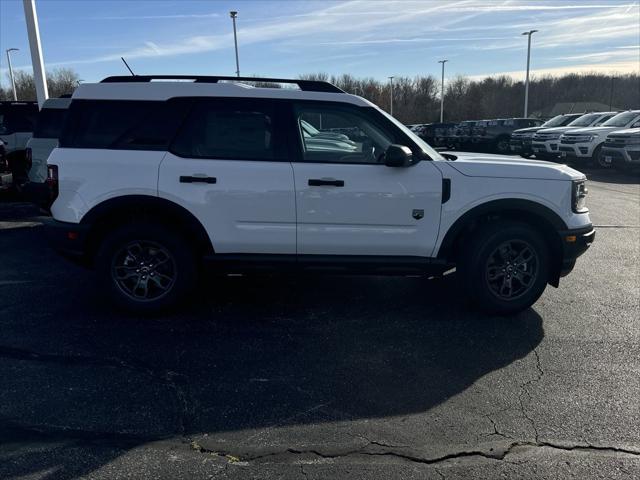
{"x":506,"y":267}
{"x":146,"y":267}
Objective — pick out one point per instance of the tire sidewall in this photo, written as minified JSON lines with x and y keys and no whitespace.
{"x":178,"y":247}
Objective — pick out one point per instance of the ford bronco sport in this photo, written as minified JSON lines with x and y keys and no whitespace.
{"x":154,"y":178}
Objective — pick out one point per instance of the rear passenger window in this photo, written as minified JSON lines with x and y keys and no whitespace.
{"x":131,"y":125}
{"x":231,"y":129}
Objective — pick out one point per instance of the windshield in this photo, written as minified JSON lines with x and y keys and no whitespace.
{"x":426,"y":148}
{"x":556,"y":121}
{"x":622,"y":119}
{"x":585,"y":120}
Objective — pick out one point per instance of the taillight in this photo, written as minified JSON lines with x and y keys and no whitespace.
{"x":52,"y":182}
{"x":28,"y":156}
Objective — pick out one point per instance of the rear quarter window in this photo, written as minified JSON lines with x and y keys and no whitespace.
{"x":122,"y":124}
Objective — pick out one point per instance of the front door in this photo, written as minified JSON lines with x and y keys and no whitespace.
{"x":348,"y":202}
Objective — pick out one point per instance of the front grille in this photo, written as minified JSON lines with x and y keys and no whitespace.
{"x":543,"y":137}
{"x":609,"y":143}
{"x":570,"y":139}
{"x":634,"y":155}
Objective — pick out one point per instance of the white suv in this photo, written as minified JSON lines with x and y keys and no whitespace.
{"x":154,"y":177}
{"x":546,"y":140}
{"x":584,"y":145}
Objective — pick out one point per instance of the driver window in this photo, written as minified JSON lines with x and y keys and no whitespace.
{"x":337,"y":134}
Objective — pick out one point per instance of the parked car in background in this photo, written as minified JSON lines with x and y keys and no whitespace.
{"x":546,"y":141}
{"x":436,"y":134}
{"x":495,"y":135}
{"x":621,"y":149}
{"x":17,"y":120}
{"x":462,"y":134}
{"x":45,"y":136}
{"x":521,"y":138}
{"x":584,"y":146}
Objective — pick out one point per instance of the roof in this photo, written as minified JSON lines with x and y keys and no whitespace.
{"x":162,"y":87}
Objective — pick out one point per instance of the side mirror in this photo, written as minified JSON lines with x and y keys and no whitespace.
{"x":449,"y":156}
{"x":398,"y":156}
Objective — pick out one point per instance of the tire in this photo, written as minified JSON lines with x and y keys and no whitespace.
{"x":502,"y":146}
{"x":526,"y":155}
{"x":146,"y":267}
{"x":489,"y":269}
{"x":597,"y":159}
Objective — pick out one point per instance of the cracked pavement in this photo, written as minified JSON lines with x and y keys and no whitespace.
{"x":323,"y":377}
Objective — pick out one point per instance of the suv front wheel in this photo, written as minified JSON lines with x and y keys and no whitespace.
{"x":146,"y":267}
{"x":506,"y":267}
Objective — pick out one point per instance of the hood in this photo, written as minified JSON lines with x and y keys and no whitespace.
{"x":557,"y":129}
{"x":598,"y":131}
{"x":495,"y":166}
{"x":527,"y":130}
{"x":628,"y":131}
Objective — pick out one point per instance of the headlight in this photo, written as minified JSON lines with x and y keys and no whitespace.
{"x":579,"y":196}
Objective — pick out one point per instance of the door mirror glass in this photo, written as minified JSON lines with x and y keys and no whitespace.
{"x":397,"y":156}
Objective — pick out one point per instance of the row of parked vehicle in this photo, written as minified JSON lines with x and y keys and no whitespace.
{"x":601,"y":139}
{"x":487,"y":135}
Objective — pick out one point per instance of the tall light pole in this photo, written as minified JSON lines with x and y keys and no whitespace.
{"x":13,"y":82}
{"x":39,"y":75}
{"x":391,"y":96}
{"x":233,"y":14}
{"x":442,"y":93}
{"x":526,"y":83}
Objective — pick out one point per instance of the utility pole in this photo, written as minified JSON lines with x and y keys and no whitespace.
{"x":526,"y":83}
{"x":233,"y":14}
{"x":611,"y":93}
{"x":442,"y":93}
{"x":13,"y":82}
{"x":391,"y":97}
{"x":39,"y":76}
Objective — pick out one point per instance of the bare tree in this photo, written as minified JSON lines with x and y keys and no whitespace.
{"x":60,"y":82}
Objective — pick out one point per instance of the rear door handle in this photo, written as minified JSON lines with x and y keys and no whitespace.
{"x":332,"y":182}
{"x":196,"y":179}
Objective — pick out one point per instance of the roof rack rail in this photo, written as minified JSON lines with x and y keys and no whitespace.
{"x":305,"y":85}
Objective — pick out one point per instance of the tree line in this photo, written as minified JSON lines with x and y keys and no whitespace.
{"x":417,"y":100}
{"x":59,"y":82}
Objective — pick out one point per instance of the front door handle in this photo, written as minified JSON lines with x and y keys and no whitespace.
{"x":332,"y":182}
{"x":197,"y":179}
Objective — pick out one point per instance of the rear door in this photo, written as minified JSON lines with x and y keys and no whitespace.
{"x":230,"y":167}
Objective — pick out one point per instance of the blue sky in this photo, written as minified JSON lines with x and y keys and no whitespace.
{"x":374,"y":38}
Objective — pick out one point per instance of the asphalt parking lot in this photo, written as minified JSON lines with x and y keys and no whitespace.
{"x":323,"y":377}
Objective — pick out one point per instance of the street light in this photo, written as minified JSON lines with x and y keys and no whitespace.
{"x":233,"y":14}
{"x":391,"y":97}
{"x":526,"y":83}
{"x":13,"y":82}
{"x":442,"y":93}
